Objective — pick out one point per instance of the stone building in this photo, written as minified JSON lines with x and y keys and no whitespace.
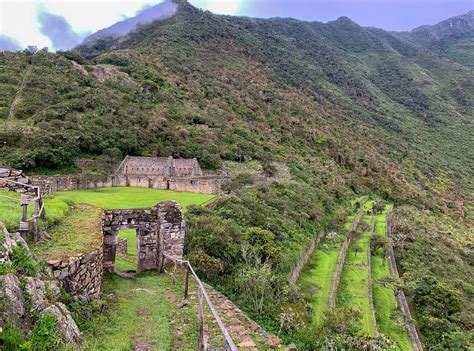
{"x":159,"y":166}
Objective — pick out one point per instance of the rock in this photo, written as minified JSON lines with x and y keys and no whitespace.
{"x":247,"y":343}
{"x":182,"y":304}
{"x":291,"y":347}
{"x":12,"y":306}
{"x":37,"y":291}
{"x":53,"y":288}
{"x":54,"y":263}
{"x":67,"y":327}
{"x":273,"y":341}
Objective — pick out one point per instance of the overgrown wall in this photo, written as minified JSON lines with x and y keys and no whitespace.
{"x":80,"y":276}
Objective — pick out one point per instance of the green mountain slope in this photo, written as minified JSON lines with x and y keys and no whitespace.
{"x":347,"y":108}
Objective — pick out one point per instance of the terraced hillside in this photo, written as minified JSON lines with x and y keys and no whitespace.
{"x":360,"y":276}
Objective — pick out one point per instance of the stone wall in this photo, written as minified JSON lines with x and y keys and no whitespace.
{"x":160,"y":230}
{"x":203,"y":185}
{"x":80,"y":276}
{"x":295,"y":273}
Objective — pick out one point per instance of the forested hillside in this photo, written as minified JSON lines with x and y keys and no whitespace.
{"x":350,"y":110}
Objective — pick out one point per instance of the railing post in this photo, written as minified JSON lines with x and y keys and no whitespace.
{"x":24,"y":217}
{"x":186,"y":283}
{"x":200,"y":346}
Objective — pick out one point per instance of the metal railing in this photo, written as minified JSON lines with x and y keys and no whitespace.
{"x":202,"y":294}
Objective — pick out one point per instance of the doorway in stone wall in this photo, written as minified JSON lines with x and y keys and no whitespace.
{"x":126,"y":259}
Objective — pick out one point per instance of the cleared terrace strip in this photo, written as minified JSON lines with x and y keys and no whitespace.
{"x":336,"y":277}
{"x":371,"y":290}
{"x":355,"y":287}
{"x":390,"y":320}
{"x":295,"y":273}
{"x":401,"y":298}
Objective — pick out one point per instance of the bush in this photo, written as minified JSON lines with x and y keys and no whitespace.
{"x":23,"y":263}
{"x":45,"y":335}
{"x":12,"y":339}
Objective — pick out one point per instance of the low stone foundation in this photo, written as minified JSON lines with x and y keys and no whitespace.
{"x":80,"y":276}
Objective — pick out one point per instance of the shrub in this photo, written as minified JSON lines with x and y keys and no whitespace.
{"x":45,"y":335}
{"x":262,"y":242}
{"x":22,"y":262}
{"x":12,"y":339}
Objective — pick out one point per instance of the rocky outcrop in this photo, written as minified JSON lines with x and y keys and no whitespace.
{"x":12,"y":302}
{"x":22,"y":296}
{"x":67,"y":327}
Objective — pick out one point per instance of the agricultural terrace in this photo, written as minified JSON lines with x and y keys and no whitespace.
{"x":316,"y":279}
{"x":366,"y":284}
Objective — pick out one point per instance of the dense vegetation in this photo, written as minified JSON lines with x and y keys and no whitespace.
{"x":348,"y":109}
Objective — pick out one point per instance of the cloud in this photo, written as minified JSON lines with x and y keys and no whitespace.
{"x":9,"y":44}
{"x":57,"y":29}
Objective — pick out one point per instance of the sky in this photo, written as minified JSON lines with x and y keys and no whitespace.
{"x":61,"y":24}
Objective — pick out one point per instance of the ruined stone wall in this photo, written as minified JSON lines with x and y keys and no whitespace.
{"x":160,"y":229}
{"x":51,"y":184}
{"x":80,"y":276}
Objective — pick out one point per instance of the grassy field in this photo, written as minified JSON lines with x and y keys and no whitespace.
{"x":57,"y":205}
{"x":73,"y":216}
{"x":122,"y":197}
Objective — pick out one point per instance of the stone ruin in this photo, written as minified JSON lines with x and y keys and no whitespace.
{"x":160,"y":230}
{"x":12,"y":179}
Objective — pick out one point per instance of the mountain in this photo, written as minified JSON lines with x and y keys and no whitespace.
{"x":452,"y":37}
{"x":158,"y":12}
{"x":347,"y":109}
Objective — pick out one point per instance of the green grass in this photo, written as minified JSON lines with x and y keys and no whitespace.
{"x":79,"y":232}
{"x":123,"y":197}
{"x":315,"y":281}
{"x":128,"y":263}
{"x":140,"y":311}
{"x":353,"y":292}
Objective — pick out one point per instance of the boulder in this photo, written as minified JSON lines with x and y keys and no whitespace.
{"x":37,"y":290}
{"x":67,"y":327}
{"x":12,"y":302}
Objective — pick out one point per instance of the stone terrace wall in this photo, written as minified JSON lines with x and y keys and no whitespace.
{"x":63,"y":182}
{"x":80,"y":276}
{"x":295,"y":273}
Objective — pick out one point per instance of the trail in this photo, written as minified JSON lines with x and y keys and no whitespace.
{"x":19,"y":92}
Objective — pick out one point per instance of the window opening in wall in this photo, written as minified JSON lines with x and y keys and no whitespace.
{"x":126,"y":255}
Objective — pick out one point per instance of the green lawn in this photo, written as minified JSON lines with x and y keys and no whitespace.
{"x":123,"y":197}
{"x":316,"y":279}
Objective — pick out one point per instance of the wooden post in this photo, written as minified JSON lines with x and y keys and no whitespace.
{"x":24,"y":217}
{"x":174,"y":271}
{"x":186,"y":283}
{"x":35,"y":220}
{"x":200,"y":346}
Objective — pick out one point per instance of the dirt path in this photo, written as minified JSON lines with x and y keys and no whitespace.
{"x":16,"y":99}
